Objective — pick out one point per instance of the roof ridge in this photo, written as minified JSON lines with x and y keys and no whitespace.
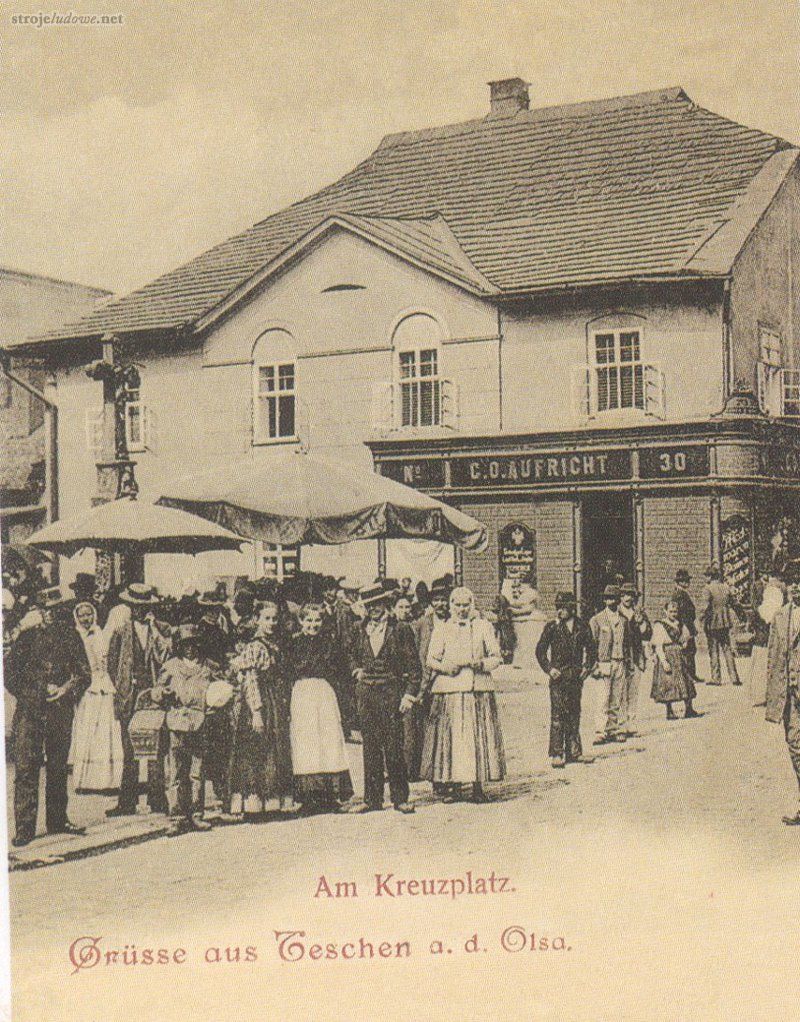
{"x":55,"y":280}
{"x":556,"y":111}
{"x":782,"y":142}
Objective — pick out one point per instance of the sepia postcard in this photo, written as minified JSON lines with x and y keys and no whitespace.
{"x":400,"y":510}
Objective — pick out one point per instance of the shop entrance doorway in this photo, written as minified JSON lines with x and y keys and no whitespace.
{"x":608,"y":544}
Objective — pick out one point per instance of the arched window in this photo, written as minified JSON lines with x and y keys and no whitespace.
{"x":417,"y":342}
{"x":274,"y":387}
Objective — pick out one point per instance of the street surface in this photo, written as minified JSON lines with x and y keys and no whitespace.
{"x":666,"y":858}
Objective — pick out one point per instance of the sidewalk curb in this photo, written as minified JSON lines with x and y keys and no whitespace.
{"x":16,"y":865}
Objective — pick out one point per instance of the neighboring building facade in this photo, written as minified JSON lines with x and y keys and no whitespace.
{"x":29,"y":305}
{"x":551,"y":318}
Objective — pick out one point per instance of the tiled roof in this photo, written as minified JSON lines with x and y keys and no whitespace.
{"x":569,"y":195}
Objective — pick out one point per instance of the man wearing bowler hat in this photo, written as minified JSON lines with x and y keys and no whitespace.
{"x":385,"y":665}
{"x":47,"y":672}
{"x":612,"y":634}
{"x":566,"y":653}
{"x":138,"y":646}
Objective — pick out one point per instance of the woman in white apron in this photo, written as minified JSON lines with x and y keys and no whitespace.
{"x":319,"y":758}
{"x":96,"y":751}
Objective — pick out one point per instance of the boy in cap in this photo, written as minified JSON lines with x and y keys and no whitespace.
{"x":566,"y":653}
{"x":182,"y":687}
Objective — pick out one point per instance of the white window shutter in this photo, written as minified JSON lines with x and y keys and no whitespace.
{"x":93,"y":427}
{"x":451,"y":404}
{"x":149,"y":428}
{"x":654,"y":391}
{"x":762,"y":390}
{"x":382,"y":406}
{"x":580,"y":385}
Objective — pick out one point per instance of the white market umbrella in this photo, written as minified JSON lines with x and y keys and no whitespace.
{"x":125,"y":526}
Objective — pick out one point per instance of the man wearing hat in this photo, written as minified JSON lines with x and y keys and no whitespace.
{"x":718,"y":615}
{"x":641,"y":632}
{"x":385,"y":666}
{"x":138,"y":647}
{"x":185,"y":687}
{"x":47,"y":671}
{"x":783,"y":674}
{"x":687,"y":615}
{"x":613,"y":636}
{"x":566,"y":653}
{"x":338,"y":621}
{"x":84,"y":586}
{"x":216,"y":641}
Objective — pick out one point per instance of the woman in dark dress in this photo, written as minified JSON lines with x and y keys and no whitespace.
{"x":672,"y":682}
{"x":260,"y":769}
{"x":319,"y":757}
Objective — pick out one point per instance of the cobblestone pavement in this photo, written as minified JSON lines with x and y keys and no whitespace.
{"x":664,"y":865}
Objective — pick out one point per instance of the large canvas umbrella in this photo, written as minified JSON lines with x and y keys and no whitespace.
{"x":296,"y":499}
{"x":132,"y":526}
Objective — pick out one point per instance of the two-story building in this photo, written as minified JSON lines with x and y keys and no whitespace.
{"x":576,"y":323}
{"x":29,"y":305}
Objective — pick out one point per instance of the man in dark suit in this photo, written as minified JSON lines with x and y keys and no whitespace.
{"x":47,"y":672}
{"x":385,"y":665}
{"x":719,"y":616}
{"x":566,"y":652}
{"x":687,"y":615}
{"x":138,"y":647}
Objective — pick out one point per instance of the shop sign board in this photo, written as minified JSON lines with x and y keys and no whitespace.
{"x":517,"y":551}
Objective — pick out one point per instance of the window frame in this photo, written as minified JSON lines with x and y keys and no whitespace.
{"x":282,"y":555}
{"x":615,"y":369}
{"x":419,"y":382}
{"x":771,"y":368}
{"x":276,"y":362}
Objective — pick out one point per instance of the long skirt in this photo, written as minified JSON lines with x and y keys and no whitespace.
{"x":254,"y":757}
{"x":96,"y":750}
{"x":319,"y":755}
{"x":676,"y":686}
{"x":463,"y":740}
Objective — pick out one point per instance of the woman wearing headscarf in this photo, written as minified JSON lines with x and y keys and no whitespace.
{"x":260,"y":768}
{"x":671,"y":680}
{"x":96,"y":752}
{"x":319,"y":758}
{"x":463,"y":740}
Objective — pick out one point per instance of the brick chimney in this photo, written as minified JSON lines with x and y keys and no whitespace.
{"x":508,"y":97}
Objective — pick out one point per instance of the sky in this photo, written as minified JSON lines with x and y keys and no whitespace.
{"x":127,"y":149}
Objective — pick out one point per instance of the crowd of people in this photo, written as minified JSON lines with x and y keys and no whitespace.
{"x":255,"y":695}
{"x":258,"y":694}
